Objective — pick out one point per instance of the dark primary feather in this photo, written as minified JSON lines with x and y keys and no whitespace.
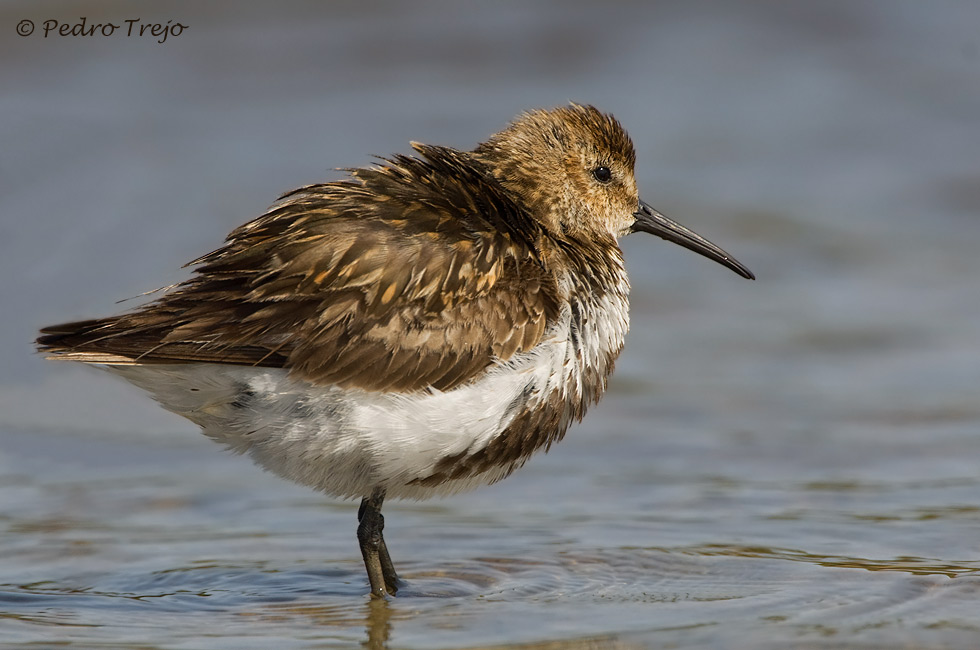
{"x":417,"y":273}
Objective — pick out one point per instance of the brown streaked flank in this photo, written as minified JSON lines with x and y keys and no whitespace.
{"x":419,"y":328}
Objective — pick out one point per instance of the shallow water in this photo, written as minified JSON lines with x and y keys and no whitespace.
{"x":786,"y":463}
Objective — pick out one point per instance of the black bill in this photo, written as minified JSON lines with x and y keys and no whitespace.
{"x":651,"y":221}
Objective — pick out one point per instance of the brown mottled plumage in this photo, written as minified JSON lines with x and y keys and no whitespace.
{"x":402,"y":279}
{"x":420,"y":328}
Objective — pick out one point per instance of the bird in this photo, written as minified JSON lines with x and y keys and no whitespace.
{"x":418,"y":328}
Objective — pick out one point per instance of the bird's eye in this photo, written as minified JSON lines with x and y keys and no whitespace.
{"x":602,"y":174}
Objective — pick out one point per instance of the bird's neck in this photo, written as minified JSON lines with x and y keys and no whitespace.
{"x":592,"y":279}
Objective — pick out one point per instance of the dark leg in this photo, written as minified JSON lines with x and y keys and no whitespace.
{"x":387,"y":568}
{"x":380,"y":570}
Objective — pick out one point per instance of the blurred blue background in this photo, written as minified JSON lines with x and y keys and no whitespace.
{"x":830,"y":146}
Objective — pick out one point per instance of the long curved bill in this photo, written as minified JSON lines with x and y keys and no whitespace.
{"x":651,"y":221}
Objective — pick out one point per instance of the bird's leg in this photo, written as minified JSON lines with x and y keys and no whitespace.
{"x":387,"y":568}
{"x":380,"y":570}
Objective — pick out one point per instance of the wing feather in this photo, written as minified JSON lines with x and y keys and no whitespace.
{"x":416,"y":274}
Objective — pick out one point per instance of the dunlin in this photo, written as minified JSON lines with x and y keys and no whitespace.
{"x":419,"y":329}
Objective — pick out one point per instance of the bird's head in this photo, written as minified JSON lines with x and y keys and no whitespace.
{"x":573,"y":169}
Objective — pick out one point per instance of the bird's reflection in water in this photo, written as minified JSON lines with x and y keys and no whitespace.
{"x":377,"y":623}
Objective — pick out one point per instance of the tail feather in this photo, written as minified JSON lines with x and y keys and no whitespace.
{"x":66,"y":336}
{"x":83,"y":340}
{"x":123,"y":340}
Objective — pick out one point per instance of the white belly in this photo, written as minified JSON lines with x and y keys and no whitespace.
{"x":348,"y":442}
